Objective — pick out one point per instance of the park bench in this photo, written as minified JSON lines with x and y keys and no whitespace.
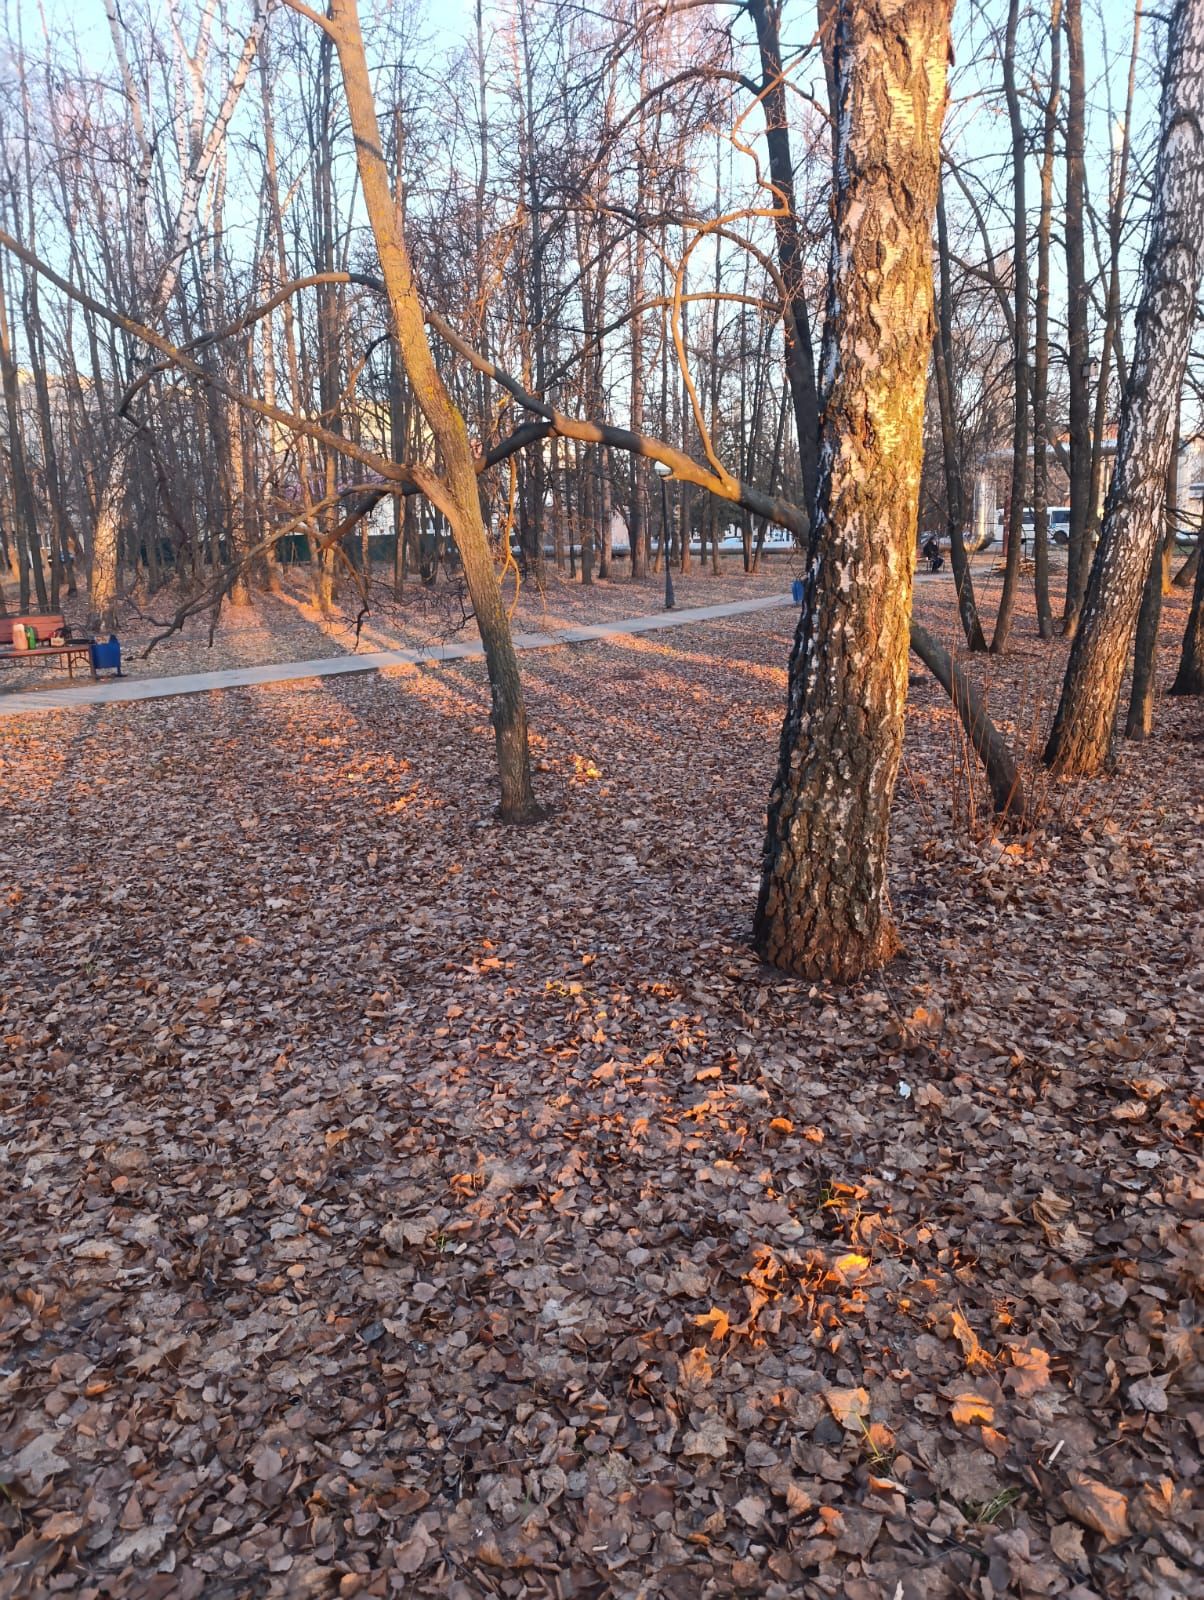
{"x":47,"y":629}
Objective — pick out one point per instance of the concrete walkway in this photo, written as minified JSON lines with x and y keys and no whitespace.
{"x":111,"y":691}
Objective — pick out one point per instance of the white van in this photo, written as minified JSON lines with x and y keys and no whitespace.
{"x":1059,"y":525}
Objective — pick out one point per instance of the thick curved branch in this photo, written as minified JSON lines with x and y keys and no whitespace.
{"x":1007,"y":787}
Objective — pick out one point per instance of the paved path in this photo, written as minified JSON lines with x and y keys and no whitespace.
{"x":112,"y":690}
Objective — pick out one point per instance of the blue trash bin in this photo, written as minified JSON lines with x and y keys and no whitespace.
{"x":106,"y":657}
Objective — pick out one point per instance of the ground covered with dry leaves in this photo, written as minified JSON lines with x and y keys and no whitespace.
{"x":397,"y":1205}
{"x":286,"y":625}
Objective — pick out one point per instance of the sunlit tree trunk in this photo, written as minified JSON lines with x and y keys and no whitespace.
{"x":1082,"y":732}
{"x":455,"y":490}
{"x":823,"y":909}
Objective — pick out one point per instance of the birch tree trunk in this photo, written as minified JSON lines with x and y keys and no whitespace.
{"x":455,"y":491}
{"x":824,"y":908}
{"x":1082,"y":731}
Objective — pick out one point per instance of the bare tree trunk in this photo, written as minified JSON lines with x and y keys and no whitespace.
{"x":1082,"y":512}
{"x":1186,"y":575}
{"x":1139,"y":723}
{"x":106,"y":548}
{"x":1111,"y":333}
{"x":955,"y":492}
{"x":455,"y":492}
{"x":1003,"y":776}
{"x":824,"y":909}
{"x":1190,"y":677}
{"x":1015,"y":519}
{"x":1081,"y":737}
{"x":26,"y":518}
{"x":800,"y":364}
{"x":1041,"y":342}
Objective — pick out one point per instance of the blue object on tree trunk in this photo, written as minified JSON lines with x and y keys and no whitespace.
{"x":107,"y":656}
{"x":796,"y":591}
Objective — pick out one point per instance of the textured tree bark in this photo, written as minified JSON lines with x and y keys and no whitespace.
{"x":455,"y":492}
{"x":823,"y":909}
{"x":1081,"y":737}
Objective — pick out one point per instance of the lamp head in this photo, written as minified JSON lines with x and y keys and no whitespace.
{"x":662,"y":469}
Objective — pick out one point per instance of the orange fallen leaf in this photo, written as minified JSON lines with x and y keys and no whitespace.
{"x":974,"y":1353}
{"x":969,"y":1408}
{"x":850,"y":1265}
{"x":716,"y":1320}
{"x":1105,"y":1511}
{"x":1030,"y":1371}
{"x":848,"y":1406}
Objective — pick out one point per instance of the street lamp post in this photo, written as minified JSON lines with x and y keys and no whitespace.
{"x":664,"y":473}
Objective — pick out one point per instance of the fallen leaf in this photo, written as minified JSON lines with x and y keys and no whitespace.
{"x":716,"y":1320}
{"x":969,"y":1408}
{"x":1105,"y":1511}
{"x":710,"y":1438}
{"x":848,"y":1406}
{"x":751,"y":1510}
{"x":1150,"y":1393}
{"x":268,"y":1463}
{"x":37,"y":1462}
{"x":1066,"y":1541}
{"x":1029,"y":1371}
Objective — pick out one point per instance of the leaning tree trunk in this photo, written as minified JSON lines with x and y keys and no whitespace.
{"x":455,"y":492}
{"x":824,"y":909}
{"x":1082,"y":732}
